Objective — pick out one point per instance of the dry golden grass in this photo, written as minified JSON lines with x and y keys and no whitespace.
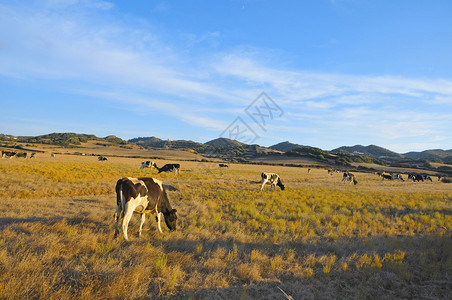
{"x":317,"y":239}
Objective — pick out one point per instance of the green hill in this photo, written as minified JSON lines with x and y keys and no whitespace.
{"x":371,"y":150}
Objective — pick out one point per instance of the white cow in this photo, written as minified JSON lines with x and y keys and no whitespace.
{"x":142,"y":195}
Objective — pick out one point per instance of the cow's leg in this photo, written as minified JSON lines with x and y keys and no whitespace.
{"x":127,"y":216}
{"x":117,"y":216}
{"x":143,"y":218}
{"x":159,"y":218}
{"x":263,"y":184}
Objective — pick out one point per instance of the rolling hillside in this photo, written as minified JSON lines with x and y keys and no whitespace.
{"x":232,"y":150}
{"x":285,"y":146}
{"x":371,"y":150}
{"x":436,"y":154}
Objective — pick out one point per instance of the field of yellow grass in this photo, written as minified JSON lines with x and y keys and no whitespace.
{"x":317,"y":239}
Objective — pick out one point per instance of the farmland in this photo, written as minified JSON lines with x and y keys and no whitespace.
{"x":317,"y":239}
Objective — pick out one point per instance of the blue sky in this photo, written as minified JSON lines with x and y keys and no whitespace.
{"x":333,"y":73}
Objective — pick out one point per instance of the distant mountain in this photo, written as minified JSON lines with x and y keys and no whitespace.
{"x":224,"y":142}
{"x":285,"y":146}
{"x":68,"y":139}
{"x":438,"y":154}
{"x":371,"y":150}
{"x":153,"y":142}
{"x":148,"y":140}
{"x":234,"y":150}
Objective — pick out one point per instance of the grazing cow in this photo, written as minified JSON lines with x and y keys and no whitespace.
{"x":147,"y":164}
{"x":387,"y":177}
{"x":349,"y":177}
{"x":142,"y":195}
{"x":223,"y":166}
{"x":272,"y":179}
{"x":393,"y":176}
{"x":33,"y":155}
{"x":101,"y":158}
{"x":169,"y":168}
{"x":427,"y":177}
{"x":415,"y":177}
{"x":398,"y":177}
{"x":9,"y":154}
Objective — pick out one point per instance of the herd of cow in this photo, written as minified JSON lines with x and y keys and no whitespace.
{"x":349,"y":177}
{"x":148,"y":195}
{"x":11,"y":154}
{"x":399,"y":177}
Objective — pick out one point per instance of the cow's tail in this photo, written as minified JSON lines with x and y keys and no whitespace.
{"x":118,"y":192}
{"x":119,"y":208}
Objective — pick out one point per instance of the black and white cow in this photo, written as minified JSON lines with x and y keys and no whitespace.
{"x":415,"y":177}
{"x":169,"y":168}
{"x":349,"y":177}
{"x":427,"y":177}
{"x":397,"y":176}
{"x":147,"y":164}
{"x":386,"y":176}
{"x":33,"y":155}
{"x":142,"y":195}
{"x":223,"y":166}
{"x":272,"y":179}
{"x":101,"y":158}
{"x":9,"y":154}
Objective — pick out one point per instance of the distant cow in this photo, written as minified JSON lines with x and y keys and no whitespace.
{"x":22,"y":154}
{"x":387,"y":177}
{"x":101,"y":158}
{"x":223,"y":166}
{"x":309,"y":171}
{"x":169,"y":168}
{"x":427,"y":177}
{"x":33,"y":155}
{"x":272,"y":179}
{"x":349,"y":177}
{"x":397,"y":176}
{"x":147,"y":164}
{"x":9,"y":154}
{"x":415,"y":177}
{"x":52,"y":154}
{"x":142,"y":195}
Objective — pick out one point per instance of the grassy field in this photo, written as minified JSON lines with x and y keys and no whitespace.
{"x":318,"y":239}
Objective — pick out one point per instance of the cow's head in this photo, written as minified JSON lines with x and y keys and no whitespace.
{"x":280,"y":184}
{"x":170,"y":219}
